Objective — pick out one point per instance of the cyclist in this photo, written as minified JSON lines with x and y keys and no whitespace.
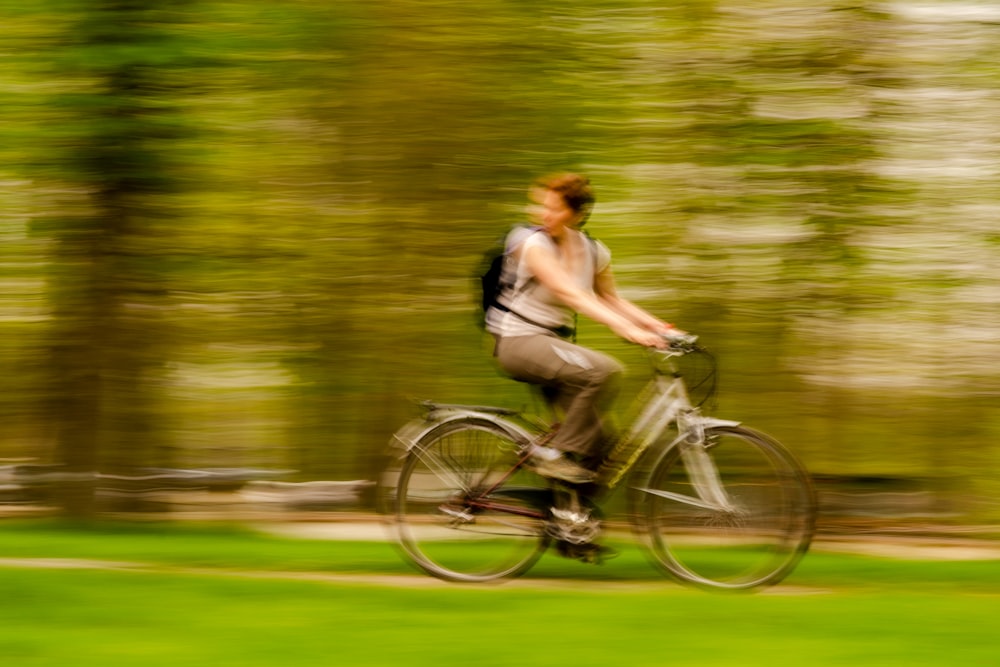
{"x":558,"y":271}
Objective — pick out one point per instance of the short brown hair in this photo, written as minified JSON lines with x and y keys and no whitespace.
{"x":573,"y":188}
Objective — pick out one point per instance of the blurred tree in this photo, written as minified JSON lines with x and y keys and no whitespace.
{"x":780,"y":130}
{"x":107,"y":333}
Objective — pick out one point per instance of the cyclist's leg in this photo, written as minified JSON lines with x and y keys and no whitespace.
{"x":582,"y":384}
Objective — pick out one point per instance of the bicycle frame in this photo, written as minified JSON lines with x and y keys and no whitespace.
{"x":662,"y":402}
{"x":701,"y":491}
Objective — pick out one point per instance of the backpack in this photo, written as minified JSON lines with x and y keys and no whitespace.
{"x":491,"y":278}
{"x":492,"y":281}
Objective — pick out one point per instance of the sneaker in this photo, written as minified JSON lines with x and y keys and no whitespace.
{"x":564,"y":469}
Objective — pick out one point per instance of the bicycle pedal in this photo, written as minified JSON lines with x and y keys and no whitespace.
{"x":458,"y":517}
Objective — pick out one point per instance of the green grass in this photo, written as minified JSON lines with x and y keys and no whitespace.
{"x":196,"y":607}
{"x":166,"y":543}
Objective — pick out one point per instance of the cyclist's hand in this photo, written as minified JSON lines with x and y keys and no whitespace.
{"x":664,"y":328}
{"x":643,"y":337}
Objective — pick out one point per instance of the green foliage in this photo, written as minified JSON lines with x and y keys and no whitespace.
{"x":241,"y":233}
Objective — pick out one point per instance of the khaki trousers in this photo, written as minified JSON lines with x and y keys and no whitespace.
{"x":579,"y":383}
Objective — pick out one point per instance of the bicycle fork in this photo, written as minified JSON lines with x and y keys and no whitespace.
{"x":704,"y":476}
{"x":701,"y":470}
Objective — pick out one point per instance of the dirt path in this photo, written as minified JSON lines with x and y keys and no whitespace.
{"x":904,"y":547}
{"x":939,"y":548}
{"x":414,"y":581}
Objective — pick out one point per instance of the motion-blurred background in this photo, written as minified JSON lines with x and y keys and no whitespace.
{"x":238,"y":238}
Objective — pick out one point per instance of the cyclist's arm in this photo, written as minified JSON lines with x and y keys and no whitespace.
{"x":607,"y":292}
{"x":544,"y":265}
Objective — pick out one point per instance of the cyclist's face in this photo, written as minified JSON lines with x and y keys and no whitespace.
{"x":536,"y":207}
{"x":556,"y":215}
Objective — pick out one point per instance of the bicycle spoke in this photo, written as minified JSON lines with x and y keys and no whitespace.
{"x":518,"y":530}
{"x":442,"y":470}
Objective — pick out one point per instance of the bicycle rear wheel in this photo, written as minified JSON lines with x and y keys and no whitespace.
{"x":457,"y":516}
{"x":748,"y":530}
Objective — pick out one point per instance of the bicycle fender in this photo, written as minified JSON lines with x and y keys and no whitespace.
{"x":413,"y":431}
{"x":710,"y":422}
{"x":408,"y":434}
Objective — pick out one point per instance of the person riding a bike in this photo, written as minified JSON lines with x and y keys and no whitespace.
{"x":479,"y":493}
{"x":558,"y":271}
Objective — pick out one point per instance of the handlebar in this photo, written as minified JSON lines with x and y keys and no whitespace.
{"x":681,"y":342}
{"x":697,"y":369}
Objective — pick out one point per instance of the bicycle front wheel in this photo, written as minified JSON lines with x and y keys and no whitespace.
{"x":463,"y":510}
{"x":736,"y":512}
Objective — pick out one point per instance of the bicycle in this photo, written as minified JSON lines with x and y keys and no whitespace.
{"x":718,"y":505}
